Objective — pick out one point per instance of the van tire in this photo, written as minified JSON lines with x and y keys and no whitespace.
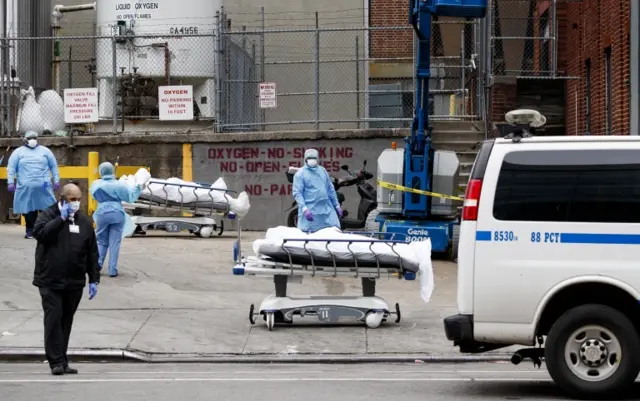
{"x":570,"y":323}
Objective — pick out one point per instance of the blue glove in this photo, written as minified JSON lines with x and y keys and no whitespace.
{"x":56,"y":186}
{"x":340,"y":212}
{"x":93,"y":290}
{"x":308,"y":216}
{"x":12,"y":187}
{"x":65,"y":211}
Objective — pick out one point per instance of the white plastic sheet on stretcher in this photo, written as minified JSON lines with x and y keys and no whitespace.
{"x":331,"y":252}
{"x":176,"y":195}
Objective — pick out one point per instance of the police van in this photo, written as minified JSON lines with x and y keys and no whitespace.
{"x":549,"y":256}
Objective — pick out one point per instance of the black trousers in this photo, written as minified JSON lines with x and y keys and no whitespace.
{"x":59,"y":307}
{"x":30,"y":219}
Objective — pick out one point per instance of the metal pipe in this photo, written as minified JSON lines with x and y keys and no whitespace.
{"x":114,"y":74}
{"x":167,"y":63}
{"x":70,"y":67}
{"x":218,"y":64}
{"x":358,"y":79}
{"x":366,"y":58}
{"x":56,"y":16}
{"x":554,"y":43}
{"x":463,"y":75}
{"x":69,"y":9}
{"x":317,"y":75}
{"x":56,"y":58}
{"x":634,"y":78}
{"x":263,"y":116}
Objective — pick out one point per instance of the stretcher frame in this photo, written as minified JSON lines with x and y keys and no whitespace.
{"x":193,"y":215}
{"x":367,"y":308}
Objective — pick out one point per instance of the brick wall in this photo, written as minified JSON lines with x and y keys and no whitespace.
{"x":503,"y":99}
{"x":594,"y":25}
{"x":391,"y":44}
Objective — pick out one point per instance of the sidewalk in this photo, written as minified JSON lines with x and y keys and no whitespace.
{"x":177,"y":296}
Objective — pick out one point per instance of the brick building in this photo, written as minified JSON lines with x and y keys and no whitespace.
{"x":598,"y":51}
{"x":585,"y":89}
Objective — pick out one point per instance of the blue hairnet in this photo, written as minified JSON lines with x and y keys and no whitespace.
{"x":30,"y":134}
{"x":105,"y":168}
{"x":310,"y":154}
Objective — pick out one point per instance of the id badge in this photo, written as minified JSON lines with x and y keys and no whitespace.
{"x":74,"y":229}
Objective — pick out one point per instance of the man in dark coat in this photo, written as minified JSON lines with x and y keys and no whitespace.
{"x":67,"y":252}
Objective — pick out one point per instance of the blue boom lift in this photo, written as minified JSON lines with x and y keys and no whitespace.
{"x":418,"y":166}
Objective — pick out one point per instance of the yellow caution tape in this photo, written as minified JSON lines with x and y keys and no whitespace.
{"x":401,"y":188}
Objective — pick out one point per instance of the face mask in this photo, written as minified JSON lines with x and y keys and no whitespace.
{"x":312,"y":163}
{"x":32,"y":143}
{"x":75,"y":206}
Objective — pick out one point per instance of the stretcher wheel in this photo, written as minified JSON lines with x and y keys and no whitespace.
{"x":205,"y":231}
{"x":374,"y":319}
{"x":398,"y":316}
{"x":270,"y":319}
{"x":251,"y":319}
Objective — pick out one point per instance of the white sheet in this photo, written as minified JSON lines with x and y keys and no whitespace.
{"x":240,"y":205}
{"x":418,"y":252}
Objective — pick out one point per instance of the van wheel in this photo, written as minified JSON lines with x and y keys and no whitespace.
{"x":592,"y":352}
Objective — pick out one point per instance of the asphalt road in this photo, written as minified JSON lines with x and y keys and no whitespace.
{"x":193,"y":382}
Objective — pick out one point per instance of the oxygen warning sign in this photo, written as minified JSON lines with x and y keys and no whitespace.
{"x":175,"y":102}
{"x":81,"y":105}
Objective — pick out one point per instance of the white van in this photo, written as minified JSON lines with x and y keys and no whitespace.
{"x":549,"y":258}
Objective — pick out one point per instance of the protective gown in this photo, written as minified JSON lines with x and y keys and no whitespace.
{"x":110,"y":215}
{"x":313,"y":190}
{"x":33,"y":168}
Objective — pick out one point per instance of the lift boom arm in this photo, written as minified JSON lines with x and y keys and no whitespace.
{"x":417,"y":164}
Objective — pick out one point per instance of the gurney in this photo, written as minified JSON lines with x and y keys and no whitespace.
{"x":175,"y":199}
{"x":365,"y":256}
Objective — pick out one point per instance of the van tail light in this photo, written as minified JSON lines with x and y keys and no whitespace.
{"x":472,"y":200}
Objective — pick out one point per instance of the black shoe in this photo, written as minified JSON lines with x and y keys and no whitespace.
{"x":70,"y":371}
{"x":57,"y":370}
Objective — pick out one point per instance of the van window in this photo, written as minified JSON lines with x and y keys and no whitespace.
{"x":594,"y":186}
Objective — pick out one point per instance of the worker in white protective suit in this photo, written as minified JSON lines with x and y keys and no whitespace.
{"x":315,"y":195}
{"x":110,"y":215}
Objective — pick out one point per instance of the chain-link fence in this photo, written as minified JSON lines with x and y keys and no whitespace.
{"x":231,"y":79}
{"x":334,"y":78}
{"x":54,"y":85}
{"x":523,"y":39}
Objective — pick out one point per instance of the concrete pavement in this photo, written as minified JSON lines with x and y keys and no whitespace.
{"x":398,"y":382}
{"x":177,"y":296}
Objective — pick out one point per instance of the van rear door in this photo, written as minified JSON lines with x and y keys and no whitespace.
{"x":466,"y":247}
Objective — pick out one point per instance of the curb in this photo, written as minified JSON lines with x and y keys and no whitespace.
{"x":132,"y":356}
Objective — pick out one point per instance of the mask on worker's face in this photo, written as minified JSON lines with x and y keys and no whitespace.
{"x":32,"y":143}
{"x":312,"y":162}
{"x":75,"y":206}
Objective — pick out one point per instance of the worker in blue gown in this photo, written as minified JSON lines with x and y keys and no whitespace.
{"x":32,"y":166}
{"x":315,"y":195}
{"x":110,"y":215}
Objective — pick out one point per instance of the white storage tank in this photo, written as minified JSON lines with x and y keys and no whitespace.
{"x":188,"y":61}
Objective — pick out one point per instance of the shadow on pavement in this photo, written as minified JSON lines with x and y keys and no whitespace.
{"x":523,"y":391}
